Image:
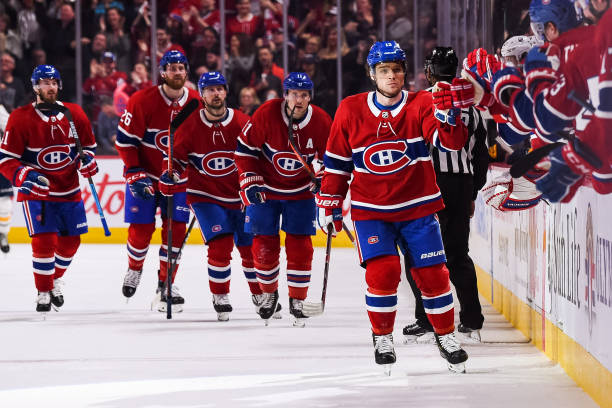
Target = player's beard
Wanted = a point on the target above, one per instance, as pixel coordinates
(48, 97)
(175, 83)
(216, 107)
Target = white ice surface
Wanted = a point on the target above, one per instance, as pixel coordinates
(99, 351)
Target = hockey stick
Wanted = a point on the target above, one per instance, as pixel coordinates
(77, 142)
(314, 309)
(176, 122)
(523, 165)
(313, 177)
(178, 256)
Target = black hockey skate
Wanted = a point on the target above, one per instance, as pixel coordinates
(268, 307)
(296, 309)
(468, 335)
(57, 297)
(131, 282)
(4, 245)
(43, 302)
(161, 297)
(384, 354)
(415, 333)
(222, 306)
(258, 301)
(452, 352)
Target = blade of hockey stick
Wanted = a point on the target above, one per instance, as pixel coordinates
(524, 164)
(312, 176)
(315, 309)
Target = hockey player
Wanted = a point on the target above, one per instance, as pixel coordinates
(142, 136)
(380, 138)
(6, 195)
(459, 175)
(273, 182)
(204, 145)
(6, 209)
(38, 155)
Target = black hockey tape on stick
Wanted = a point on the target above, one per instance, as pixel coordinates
(313, 177)
(526, 163)
(183, 114)
(314, 309)
(77, 141)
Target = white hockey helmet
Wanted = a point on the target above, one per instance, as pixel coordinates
(518, 46)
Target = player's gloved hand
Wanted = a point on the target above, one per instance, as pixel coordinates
(252, 189)
(442, 97)
(171, 183)
(483, 99)
(505, 193)
(560, 183)
(505, 82)
(31, 183)
(540, 68)
(87, 165)
(462, 93)
(330, 212)
(139, 183)
(315, 185)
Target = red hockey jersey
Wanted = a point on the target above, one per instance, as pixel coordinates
(263, 148)
(387, 154)
(142, 133)
(46, 144)
(207, 149)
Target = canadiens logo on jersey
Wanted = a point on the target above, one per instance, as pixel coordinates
(161, 140)
(54, 157)
(218, 164)
(386, 157)
(286, 164)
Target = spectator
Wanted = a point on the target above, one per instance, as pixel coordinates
(276, 45)
(60, 45)
(102, 82)
(116, 40)
(323, 94)
(249, 102)
(12, 91)
(206, 16)
(106, 130)
(244, 21)
(241, 55)
(39, 57)
(267, 75)
(9, 39)
(28, 24)
(93, 50)
(164, 43)
(399, 25)
(178, 30)
(204, 42)
(139, 78)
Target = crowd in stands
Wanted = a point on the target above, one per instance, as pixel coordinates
(117, 57)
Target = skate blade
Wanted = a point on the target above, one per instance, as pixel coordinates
(277, 315)
(472, 338)
(457, 368)
(222, 317)
(155, 302)
(162, 306)
(387, 369)
(427, 338)
(298, 322)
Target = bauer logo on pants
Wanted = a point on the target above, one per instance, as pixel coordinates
(432, 254)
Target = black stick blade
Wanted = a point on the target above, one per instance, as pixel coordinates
(184, 114)
(525, 164)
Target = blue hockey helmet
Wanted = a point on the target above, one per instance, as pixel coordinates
(173, 57)
(298, 80)
(211, 79)
(561, 13)
(385, 51)
(45, 72)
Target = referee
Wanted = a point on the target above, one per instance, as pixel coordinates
(459, 175)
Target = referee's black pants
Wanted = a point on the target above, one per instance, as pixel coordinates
(457, 190)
